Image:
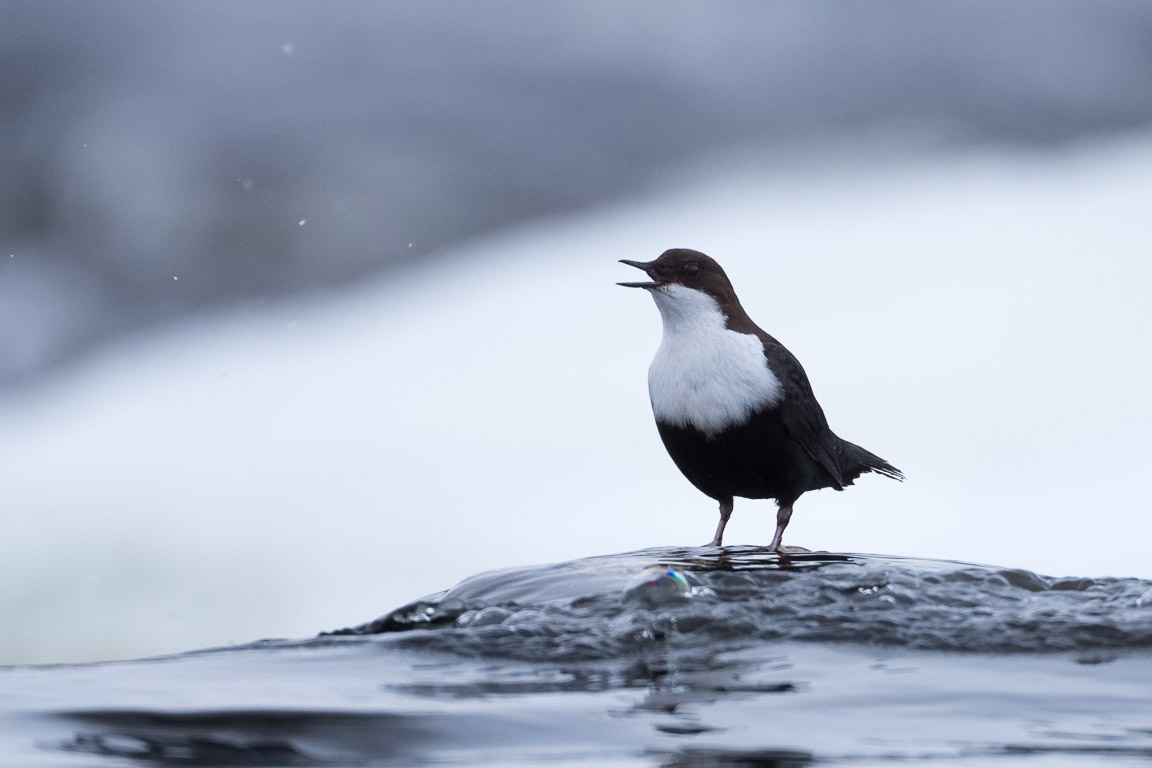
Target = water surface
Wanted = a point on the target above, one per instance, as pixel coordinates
(674, 657)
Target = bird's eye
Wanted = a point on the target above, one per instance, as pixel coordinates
(691, 268)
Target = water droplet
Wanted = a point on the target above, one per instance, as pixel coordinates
(302, 222)
(288, 49)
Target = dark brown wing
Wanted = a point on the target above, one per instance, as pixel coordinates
(802, 415)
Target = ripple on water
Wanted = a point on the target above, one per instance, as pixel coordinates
(714, 599)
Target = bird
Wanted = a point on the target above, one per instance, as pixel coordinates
(733, 406)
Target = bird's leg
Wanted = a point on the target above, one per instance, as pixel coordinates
(725, 513)
(783, 515)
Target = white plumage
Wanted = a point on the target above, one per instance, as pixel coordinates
(705, 375)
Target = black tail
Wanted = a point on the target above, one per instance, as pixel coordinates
(855, 461)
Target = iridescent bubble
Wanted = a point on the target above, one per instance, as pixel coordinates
(659, 585)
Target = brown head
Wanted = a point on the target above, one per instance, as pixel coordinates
(690, 269)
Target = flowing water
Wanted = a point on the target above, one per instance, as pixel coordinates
(676, 657)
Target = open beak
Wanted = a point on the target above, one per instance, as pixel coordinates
(639, 265)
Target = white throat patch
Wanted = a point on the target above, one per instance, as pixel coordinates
(705, 375)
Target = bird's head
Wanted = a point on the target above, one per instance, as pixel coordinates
(678, 269)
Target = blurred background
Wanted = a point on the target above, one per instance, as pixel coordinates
(307, 310)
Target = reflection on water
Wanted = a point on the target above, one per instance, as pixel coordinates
(749, 659)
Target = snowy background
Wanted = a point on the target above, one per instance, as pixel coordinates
(304, 314)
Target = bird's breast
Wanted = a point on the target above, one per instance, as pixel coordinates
(710, 378)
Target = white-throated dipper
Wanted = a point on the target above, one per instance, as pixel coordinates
(733, 406)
